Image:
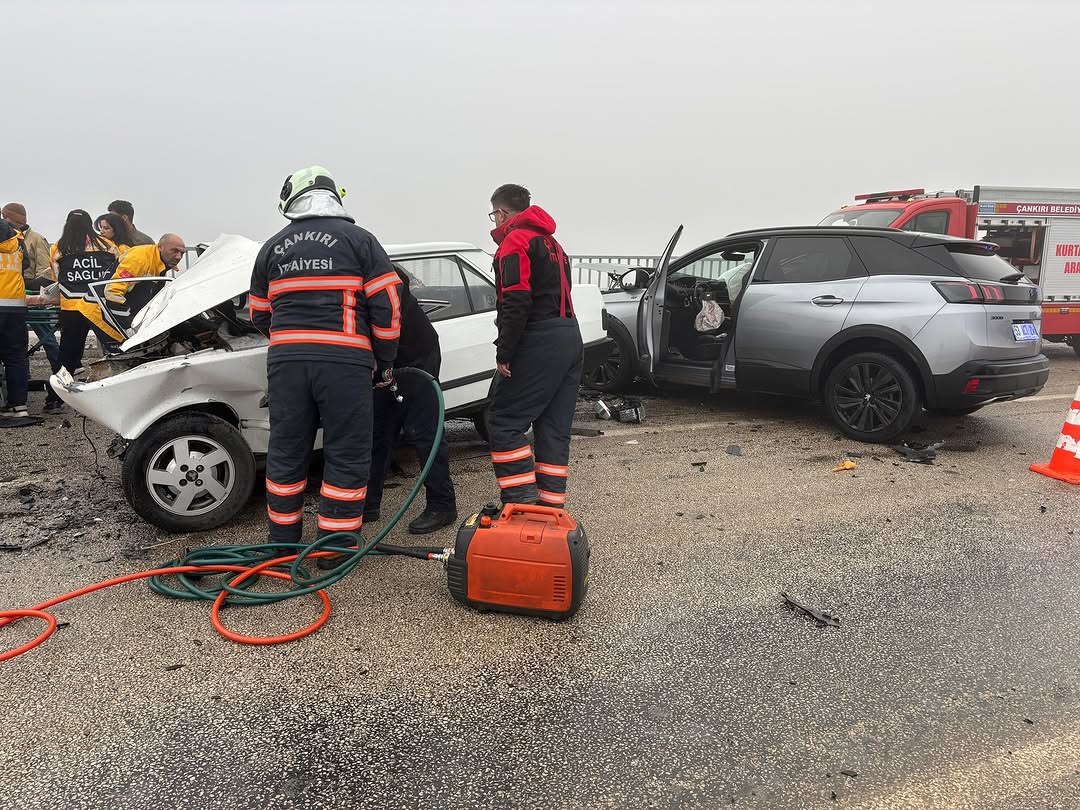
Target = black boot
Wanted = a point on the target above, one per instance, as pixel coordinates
(431, 521)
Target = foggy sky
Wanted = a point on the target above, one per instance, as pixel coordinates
(624, 118)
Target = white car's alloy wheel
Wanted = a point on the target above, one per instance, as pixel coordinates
(190, 475)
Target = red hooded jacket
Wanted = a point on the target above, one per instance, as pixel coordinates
(532, 277)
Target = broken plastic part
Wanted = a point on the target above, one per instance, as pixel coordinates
(846, 464)
(822, 618)
(918, 455)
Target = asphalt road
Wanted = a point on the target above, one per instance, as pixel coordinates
(951, 681)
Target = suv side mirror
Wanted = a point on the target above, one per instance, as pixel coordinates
(635, 279)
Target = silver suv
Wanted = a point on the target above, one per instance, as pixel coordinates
(876, 324)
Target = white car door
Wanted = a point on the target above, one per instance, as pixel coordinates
(460, 302)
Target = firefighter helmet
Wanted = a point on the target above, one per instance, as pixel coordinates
(312, 177)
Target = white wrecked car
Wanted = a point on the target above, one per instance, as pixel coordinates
(187, 393)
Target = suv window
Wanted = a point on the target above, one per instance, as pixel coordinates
(810, 259)
(886, 257)
(972, 261)
(930, 222)
(437, 285)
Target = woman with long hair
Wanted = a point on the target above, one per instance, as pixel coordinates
(80, 258)
(114, 228)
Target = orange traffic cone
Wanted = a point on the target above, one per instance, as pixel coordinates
(1065, 462)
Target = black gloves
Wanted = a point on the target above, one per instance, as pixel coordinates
(384, 374)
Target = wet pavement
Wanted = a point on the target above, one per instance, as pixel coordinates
(951, 680)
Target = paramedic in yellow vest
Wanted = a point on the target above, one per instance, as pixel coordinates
(13, 335)
(126, 298)
(80, 258)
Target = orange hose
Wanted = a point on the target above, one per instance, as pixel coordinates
(245, 572)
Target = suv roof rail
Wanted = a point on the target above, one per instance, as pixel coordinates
(816, 229)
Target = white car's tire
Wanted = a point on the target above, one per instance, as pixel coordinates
(191, 472)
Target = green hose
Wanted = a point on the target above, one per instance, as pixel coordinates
(261, 552)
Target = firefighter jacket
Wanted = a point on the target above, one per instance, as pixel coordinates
(12, 285)
(140, 261)
(324, 289)
(77, 271)
(532, 277)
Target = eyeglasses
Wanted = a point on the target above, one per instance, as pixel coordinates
(492, 214)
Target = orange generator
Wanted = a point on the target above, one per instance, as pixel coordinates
(532, 560)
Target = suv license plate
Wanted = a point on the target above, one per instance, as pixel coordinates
(1025, 331)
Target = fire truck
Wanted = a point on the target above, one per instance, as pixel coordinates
(1037, 230)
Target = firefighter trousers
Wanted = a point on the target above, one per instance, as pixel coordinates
(542, 393)
(417, 413)
(305, 395)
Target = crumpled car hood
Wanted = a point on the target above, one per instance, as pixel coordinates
(222, 272)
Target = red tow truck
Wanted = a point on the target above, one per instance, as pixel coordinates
(1037, 230)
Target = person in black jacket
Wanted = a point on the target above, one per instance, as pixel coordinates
(325, 293)
(416, 413)
(538, 353)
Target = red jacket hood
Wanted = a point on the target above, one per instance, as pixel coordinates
(534, 218)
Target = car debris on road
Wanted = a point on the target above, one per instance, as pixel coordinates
(918, 455)
(821, 618)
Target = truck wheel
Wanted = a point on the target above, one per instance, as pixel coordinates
(1074, 341)
(872, 397)
(191, 472)
(617, 370)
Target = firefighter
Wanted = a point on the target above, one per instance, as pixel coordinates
(13, 334)
(417, 414)
(142, 261)
(538, 353)
(325, 293)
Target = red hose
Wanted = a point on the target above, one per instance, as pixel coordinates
(245, 572)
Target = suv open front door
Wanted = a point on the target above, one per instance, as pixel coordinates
(650, 320)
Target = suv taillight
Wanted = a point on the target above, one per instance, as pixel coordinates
(973, 292)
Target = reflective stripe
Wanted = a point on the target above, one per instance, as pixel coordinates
(385, 334)
(516, 480)
(12, 302)
(395, 311)
(1073, 417)
(285, 490)
(342, 525)
(505, 456)
(1068, 444)
(285, 518)
(379, 284)
(312, 336)
(259, 304)
(314, 284)
(349, 303)
(556, 498)
(552, 469)
(339, 494)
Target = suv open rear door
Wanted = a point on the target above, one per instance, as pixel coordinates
(650, 320)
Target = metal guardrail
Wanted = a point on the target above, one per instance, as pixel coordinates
(596, 269)
(587, 271)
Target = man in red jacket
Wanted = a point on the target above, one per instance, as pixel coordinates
(538, 352)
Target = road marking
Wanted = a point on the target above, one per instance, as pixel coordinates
(1040, 398)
